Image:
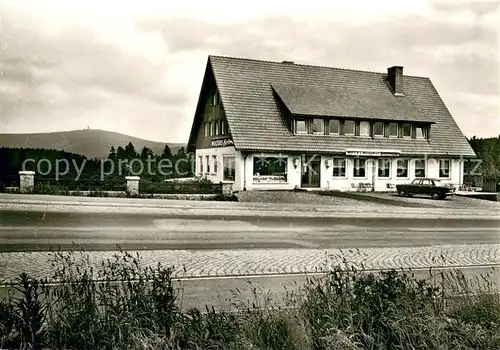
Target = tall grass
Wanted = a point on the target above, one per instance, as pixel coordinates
(123, 304)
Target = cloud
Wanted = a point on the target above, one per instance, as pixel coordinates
(139, 70)
(482, 113)
(74, 73)
(459, 58)
(477, 7)
(423, 45)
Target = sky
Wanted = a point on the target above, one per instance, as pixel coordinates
(136, 67)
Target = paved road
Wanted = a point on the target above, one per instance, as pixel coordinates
(32, 231)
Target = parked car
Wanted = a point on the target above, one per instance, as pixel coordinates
(432, 187)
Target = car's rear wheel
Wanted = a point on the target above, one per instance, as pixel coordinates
(436, 195)
(403, 193)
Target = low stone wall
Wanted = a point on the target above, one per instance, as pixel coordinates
(132, 190)
(194, 197)
(111, 194)
(12, 190)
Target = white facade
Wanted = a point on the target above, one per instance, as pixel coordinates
(210, 162)
(247, 178)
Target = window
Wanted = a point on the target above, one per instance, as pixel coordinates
(209, 127)
(393, 129)
(270, 169)
(222, 127)
(407, 130)
(215, 164)
(228, 164)
(208, 163)
(378, 129)
(402, 168)
(359, 167)
(318, 126)
(334, 126)
(384, 168)
(200, 158)
(420, 168)
(216, 98)
(444, 168)
(216, 127)
(339, 167)
(300, 127)
(420, 132)
(364, 129)
(349, 127)
(206, 130)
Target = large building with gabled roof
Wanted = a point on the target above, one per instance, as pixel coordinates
(282, 125)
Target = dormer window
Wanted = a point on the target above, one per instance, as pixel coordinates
(318, 126)
(364, 128)
(420, 132)
(378, 129)
(393, 130)
(334, 127)
(406, 130)
(349, 127)
(300, 127)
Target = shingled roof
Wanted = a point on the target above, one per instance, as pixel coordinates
(247, 90)
(307, 100)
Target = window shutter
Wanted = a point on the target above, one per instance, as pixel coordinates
(413, 132)
(428, 132)
(356, 128)
(341, 127)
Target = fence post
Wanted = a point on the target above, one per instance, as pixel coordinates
(132, 185)
(227, 189)
(26, 181)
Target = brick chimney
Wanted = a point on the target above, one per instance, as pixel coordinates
(395, 80)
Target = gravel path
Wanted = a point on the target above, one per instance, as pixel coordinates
(303, 197)
(454, 202)
(360, 199)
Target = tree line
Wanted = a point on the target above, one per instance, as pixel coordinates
(488, 150)
(75, 170)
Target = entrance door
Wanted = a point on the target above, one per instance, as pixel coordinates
(311, 171)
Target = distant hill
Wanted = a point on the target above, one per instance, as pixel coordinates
(90, 143)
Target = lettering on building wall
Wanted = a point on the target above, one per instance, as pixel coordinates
(222, 143)
(372, 153)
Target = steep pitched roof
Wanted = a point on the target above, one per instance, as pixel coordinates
(247, 89)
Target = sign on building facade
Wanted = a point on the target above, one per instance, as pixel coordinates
(222, 142)
(372, 153)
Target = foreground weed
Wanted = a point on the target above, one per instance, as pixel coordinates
(122, 303)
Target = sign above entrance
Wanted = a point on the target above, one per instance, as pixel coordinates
(372, 152)
(222, 143)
